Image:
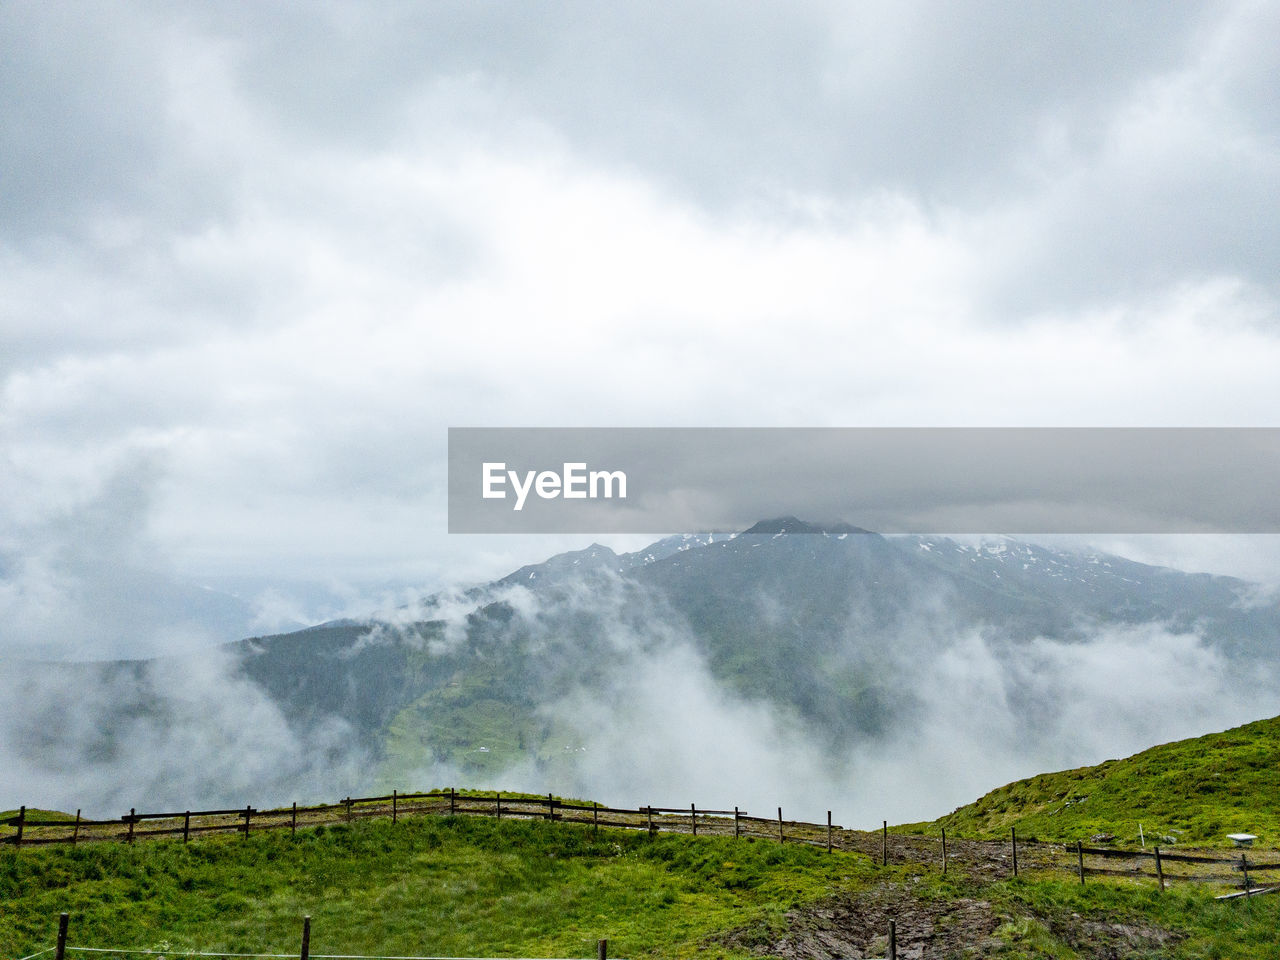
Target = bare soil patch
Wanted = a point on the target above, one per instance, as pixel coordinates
(857, 927)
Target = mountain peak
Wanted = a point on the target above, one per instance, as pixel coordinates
(790, 524)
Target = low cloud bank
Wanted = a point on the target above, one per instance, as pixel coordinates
(86, 581)
(164, 734)
(656, 725)
(664, 730)
(650, 719)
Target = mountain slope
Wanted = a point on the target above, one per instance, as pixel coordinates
(829, 628)
(1189, 791)
(811, 665)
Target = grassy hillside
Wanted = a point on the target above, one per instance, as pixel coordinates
(470, 886)
(439, 886)
(1195, 791)
(40, 816)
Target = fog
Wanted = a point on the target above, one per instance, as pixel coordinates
(658, 727)
(160, 735)
(665, 731)
(651, 722)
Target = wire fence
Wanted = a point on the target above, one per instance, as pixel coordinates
(61, 948)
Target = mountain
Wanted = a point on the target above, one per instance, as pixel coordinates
(828, 627)
(816, 666)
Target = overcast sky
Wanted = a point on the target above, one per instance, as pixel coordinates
(256, 258)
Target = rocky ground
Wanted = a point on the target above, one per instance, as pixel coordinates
(856, 927)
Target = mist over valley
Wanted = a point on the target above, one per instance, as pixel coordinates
(808, 666)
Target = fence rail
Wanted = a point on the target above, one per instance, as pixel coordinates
(1159, 865)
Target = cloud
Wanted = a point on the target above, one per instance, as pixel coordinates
(84, 141)
(255, 259)
(288, 250)
(646, 719)
(85, 581)
(718, 102)
(995, 711)
(169, 734)
(663, 730)
(317, 447)
(626, 683)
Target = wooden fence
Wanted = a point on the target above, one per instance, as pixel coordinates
(1159, 865)
(245, 820)
(1166, 867)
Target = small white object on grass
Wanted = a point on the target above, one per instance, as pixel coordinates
(1242, 839)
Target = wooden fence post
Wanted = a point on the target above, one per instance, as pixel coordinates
(132, 811)
(828, 831)
(693, 818)
(1244, 865)
(944, 851)
(735, 823)
(75, 834)
(22, 820)
(393, 806)
(595, 819)
(602, 950)
(780, 825)
(348, 803)
(186, 827)
(248, 811)
(1080, 857)
(1159, 869)
(60, 951)
(884, 844)
(306, 938)
(893, 940)
(293, 820)
(1013, 833)
(551, 808)
(649, 813)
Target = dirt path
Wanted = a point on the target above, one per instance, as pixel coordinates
(981, 859)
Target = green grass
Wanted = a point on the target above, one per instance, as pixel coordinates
(1204, 927)
(461, 724)
(471, 886)
(435, 885)
(1046, 916)
(1194, 791)
(41, 816)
